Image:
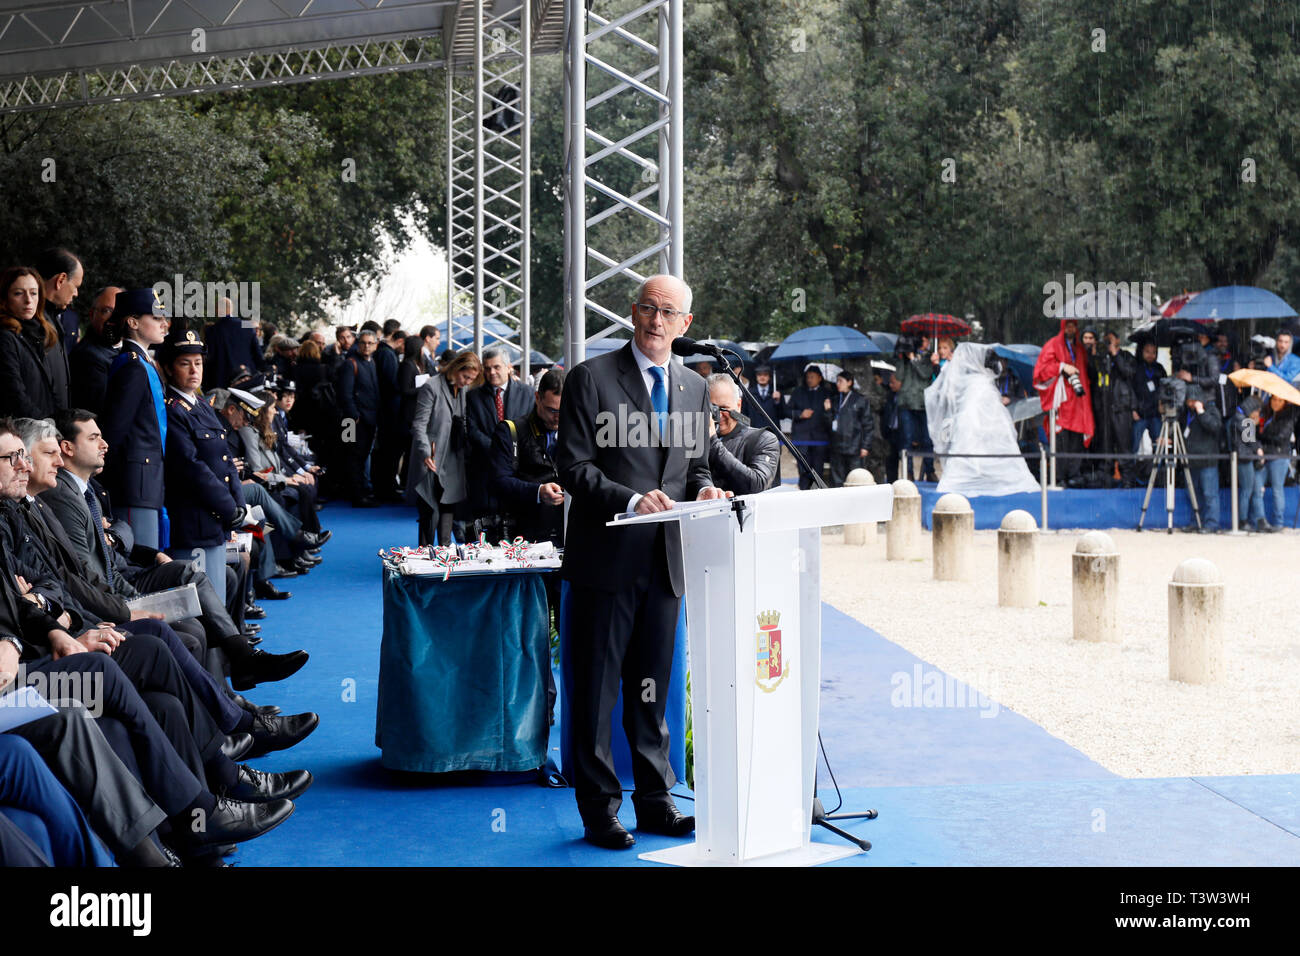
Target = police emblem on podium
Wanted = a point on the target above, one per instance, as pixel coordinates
(772, 670)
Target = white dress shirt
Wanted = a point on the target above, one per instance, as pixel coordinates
(645, 364)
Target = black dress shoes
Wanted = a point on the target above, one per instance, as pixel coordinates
(259, 667)
(267, 591)
(237, 746)
(243, 703)
(254, 786)
(312, 539)
(608, 834)
(280, 733)
(253, 612)
(283, 571)
(253, 640)
(664, 819)
(234, 821)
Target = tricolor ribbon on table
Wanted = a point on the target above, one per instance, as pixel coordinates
(514, 550)
(445, 559)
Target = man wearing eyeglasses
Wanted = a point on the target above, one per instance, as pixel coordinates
(93, 355)
(626, 584)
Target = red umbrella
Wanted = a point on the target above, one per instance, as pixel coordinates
(1170, 308)
(933, 324)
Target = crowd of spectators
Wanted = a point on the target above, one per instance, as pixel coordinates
(123, 483)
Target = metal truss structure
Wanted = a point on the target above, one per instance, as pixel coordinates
(489, 120)
(623, 115)
(58, 53)
(623, 157)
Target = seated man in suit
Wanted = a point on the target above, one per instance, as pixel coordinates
(523, 474)
(632, 439)
(71, 499)
(500, 398)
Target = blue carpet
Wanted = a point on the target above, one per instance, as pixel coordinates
(953, 787)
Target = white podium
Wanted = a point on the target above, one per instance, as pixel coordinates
(753, 617)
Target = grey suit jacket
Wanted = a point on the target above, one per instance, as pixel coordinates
(74, 515)
(435, 407)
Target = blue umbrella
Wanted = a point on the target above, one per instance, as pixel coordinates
(886, 340)
(824, 342)
(1021, 359)
(1236, 302)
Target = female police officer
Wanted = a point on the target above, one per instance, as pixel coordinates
(204, 496)
(134, 422)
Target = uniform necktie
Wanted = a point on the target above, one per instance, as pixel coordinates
(659, 398)
(501, 406)
(97, 518)
(550, 442)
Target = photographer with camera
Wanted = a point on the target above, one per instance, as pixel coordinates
(1277, 421)
(852, 429)
(1145, 381)
(1063, 382)
(1243, 434)
(742, 459)
(916, 370)
(1202, 425)
(1191, 363)
(1113, 405)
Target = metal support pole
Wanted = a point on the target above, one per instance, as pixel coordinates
(1042, 483)
(1051, 437)
(525, 193)
(1236, 516)
(676, 142)
(451, 243)
(478, 176)
(575, 204)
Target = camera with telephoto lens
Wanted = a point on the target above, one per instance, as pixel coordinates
(906, 345)
(1171, 396)
(1258, 352)
(1075, 382)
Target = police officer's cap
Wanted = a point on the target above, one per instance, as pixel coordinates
(136, 302)
(180, 342)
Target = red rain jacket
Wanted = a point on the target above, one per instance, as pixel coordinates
(1075, 412)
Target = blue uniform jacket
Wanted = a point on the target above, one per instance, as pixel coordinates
(133, 467)
(203, 489)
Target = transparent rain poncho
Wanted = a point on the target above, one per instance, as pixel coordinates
(966, 416)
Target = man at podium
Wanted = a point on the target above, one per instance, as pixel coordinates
(633, 439)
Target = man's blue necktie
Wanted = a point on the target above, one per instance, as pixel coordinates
(659, 399)
(97, 517)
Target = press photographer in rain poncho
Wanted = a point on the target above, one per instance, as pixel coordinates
(966, 416)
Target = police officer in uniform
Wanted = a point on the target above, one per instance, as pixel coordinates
(134, 420)
(204, 496)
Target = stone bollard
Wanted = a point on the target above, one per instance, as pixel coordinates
(903, 534)
(1096, 588)
(953, 538)
(1196, 623)
(1018, 560)
(863, 533)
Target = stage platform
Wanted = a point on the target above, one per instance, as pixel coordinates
(964, 783)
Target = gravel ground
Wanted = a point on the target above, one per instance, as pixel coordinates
(1114, 702)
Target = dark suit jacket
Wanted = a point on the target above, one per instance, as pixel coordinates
(230, 346)
(88, 365)
(481, 423)
(73, 514)
(602, 468)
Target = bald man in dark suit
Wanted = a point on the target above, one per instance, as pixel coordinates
(633, 438)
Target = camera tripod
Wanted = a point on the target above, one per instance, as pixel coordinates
(1171, 451)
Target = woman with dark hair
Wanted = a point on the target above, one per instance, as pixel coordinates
(134, 422)
(26, 386)
(296, 493)
(435, 481)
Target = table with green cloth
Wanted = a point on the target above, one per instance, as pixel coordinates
(462, 672)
